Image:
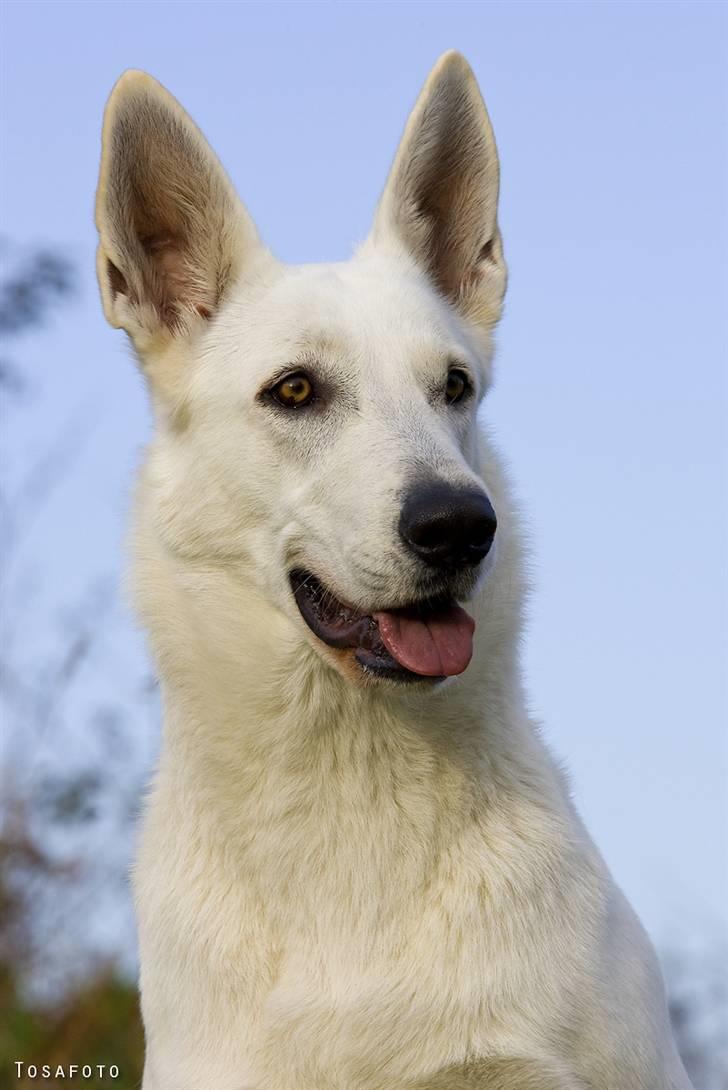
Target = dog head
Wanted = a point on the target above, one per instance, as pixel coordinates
(316, 425)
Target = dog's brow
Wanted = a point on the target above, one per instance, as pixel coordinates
(322, 345)
(315, 351)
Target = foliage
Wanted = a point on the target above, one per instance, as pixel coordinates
(97, 1025)
(697, 978)
(26, 296)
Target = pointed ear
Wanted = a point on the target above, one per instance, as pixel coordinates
(441, 198)
(173, 234)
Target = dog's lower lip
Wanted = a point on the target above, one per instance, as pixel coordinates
(341, 626)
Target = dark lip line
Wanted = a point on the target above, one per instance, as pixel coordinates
(362, 633)
(395, 672)
(422, 607)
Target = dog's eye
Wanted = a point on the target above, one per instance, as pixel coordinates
(293, 391)
(457, 385)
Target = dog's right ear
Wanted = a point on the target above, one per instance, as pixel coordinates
(173, 234)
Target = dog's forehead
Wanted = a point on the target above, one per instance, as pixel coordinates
(371, 308)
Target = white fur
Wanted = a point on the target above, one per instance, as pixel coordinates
(344, 885)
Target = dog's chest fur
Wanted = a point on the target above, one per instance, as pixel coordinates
(354, 896)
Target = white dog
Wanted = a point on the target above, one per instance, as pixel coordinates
(360, 868)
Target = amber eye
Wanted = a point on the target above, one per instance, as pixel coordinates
(293, 391)
(456, 387)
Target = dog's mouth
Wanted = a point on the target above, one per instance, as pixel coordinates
(429, 639)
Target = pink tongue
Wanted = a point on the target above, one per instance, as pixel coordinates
(439, 646)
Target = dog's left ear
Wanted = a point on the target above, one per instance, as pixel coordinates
(441, 198)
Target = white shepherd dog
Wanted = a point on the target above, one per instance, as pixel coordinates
(360, 868)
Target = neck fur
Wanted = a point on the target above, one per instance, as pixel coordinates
(275, 761)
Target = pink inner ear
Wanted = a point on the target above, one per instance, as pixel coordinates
(169, 257)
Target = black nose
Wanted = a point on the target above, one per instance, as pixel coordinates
(446, 526)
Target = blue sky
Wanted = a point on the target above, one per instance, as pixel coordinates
(610, 399)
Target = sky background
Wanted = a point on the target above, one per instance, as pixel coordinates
(610, 401)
